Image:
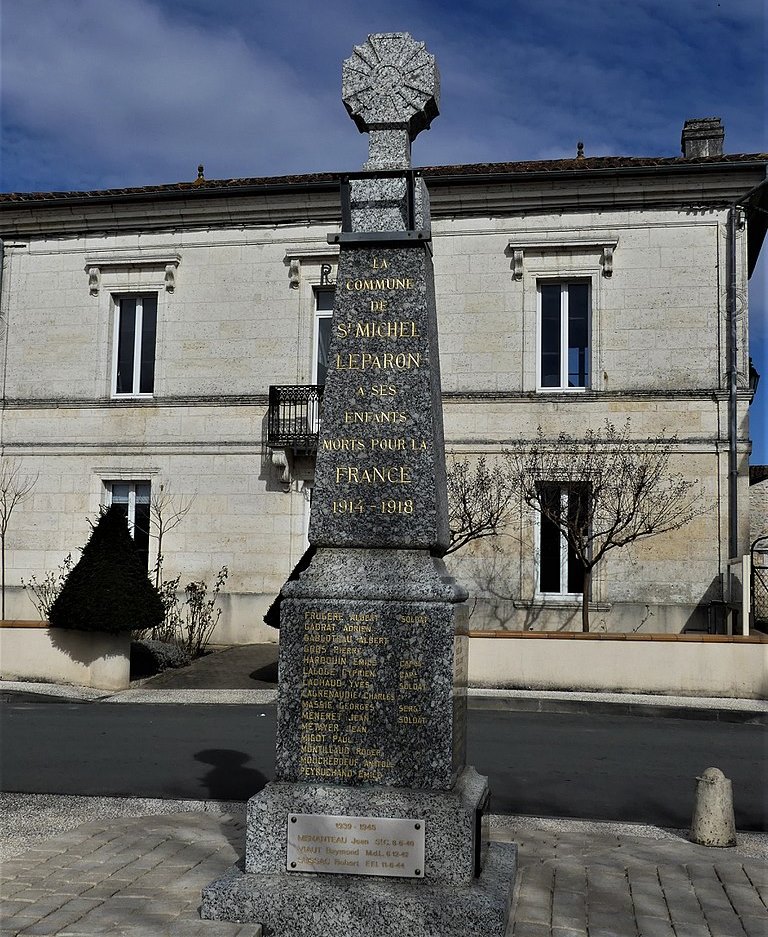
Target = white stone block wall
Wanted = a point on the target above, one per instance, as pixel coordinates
(234, 324)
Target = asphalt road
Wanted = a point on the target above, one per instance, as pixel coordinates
(589, 765)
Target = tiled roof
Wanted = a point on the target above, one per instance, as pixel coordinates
(211, 186)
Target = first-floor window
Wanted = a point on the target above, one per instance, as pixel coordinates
(560, 570)
(323, 318)
(134, 356)
(564, 335)
(133, 498)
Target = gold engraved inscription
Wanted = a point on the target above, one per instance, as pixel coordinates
(343, 445)
(370, 284)
(387, 328)
(388, 361)
(368, 416)
(376, 475)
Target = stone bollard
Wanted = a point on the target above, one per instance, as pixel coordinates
(713, 821)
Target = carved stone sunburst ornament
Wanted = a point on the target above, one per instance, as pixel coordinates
(391, 82)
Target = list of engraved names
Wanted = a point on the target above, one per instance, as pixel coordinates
(347, 700)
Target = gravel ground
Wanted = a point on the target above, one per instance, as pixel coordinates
(27, 820)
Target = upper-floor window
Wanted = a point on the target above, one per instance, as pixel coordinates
(323, 316)
(134, 345)
(134, 499)
(560, 571)
(564, 335)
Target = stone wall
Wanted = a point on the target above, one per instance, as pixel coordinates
(758, 527)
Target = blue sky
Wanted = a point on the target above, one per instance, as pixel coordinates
(104, 93)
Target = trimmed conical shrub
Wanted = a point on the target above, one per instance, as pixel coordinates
(108, 590)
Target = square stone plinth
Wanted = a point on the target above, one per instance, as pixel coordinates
(305, 904)
(453, 820)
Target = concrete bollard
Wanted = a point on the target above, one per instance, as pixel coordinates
(713, 821)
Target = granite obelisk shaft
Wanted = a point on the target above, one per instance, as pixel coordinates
(373, 645)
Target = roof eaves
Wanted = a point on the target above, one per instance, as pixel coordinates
(462, 174)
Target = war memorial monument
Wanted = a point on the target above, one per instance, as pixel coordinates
(374, 824)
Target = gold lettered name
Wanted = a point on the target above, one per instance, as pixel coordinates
(387, 361)
(390, 328)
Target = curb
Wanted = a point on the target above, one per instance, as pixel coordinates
(617, 708)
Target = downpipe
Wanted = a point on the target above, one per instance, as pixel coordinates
(733, 376)
(3, 342)
(735, 211)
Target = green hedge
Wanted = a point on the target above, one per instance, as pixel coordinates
(108, 590)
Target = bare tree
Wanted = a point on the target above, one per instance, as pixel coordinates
(621, 491)
(478, 501)
(14, 488)
(166, 511)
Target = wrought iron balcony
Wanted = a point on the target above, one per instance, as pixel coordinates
(293, 421)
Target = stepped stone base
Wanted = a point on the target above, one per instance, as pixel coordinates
(303, 904)
(455, 845)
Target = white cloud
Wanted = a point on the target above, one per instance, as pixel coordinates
(123, 85)
(127, 92)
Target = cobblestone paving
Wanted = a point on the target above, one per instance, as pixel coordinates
(143, 877)
(587, 884)
(127, 878)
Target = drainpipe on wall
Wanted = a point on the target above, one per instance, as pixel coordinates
(3, 340)
(733, 374)
(734, 215)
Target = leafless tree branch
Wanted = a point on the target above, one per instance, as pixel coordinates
(14, 489)
(626, 488)
(478, 501)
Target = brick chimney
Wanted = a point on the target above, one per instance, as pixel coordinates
(702, 136)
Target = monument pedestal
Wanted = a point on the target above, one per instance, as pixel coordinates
(371, 728)
(306, 904)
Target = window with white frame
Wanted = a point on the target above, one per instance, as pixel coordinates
(323, 315)
(134, 344)
(564, 325)
(133, 498)
(560, 572)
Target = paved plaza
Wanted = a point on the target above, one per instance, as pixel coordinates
(141, 876)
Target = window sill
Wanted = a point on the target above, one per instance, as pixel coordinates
(562, 390)
(552, 600)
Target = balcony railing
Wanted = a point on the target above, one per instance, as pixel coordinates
(293, 421)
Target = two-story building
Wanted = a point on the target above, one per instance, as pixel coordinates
(176, 336)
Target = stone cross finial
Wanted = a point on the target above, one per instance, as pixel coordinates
(391, 88)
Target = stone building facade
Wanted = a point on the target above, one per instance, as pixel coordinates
(143, 329)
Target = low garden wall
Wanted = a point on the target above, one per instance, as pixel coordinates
(30, 650)
(672, 664)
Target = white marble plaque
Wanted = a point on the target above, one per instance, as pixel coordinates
(355, 845)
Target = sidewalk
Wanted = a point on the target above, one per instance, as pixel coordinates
(131, 875)
(248, 674)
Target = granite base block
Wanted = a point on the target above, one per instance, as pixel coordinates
(303, 904)
(454, 843)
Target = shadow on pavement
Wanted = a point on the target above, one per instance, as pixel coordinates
(229, 778)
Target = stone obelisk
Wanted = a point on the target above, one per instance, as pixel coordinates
(374, 823)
